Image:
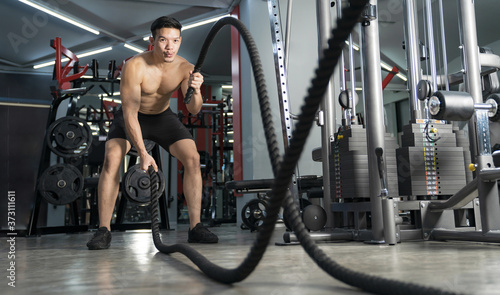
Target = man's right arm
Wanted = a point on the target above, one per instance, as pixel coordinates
(130, 93)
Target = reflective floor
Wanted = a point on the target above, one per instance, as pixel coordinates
(61, 264)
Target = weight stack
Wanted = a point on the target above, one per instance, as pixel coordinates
(351, 173)
(430, 163)
(463, 141)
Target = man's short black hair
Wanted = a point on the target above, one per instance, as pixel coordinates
(165, 22)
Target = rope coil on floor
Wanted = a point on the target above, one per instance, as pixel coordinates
(283, 171)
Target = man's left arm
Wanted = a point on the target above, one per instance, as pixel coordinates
(195, 81)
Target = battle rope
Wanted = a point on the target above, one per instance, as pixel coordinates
(283, 173)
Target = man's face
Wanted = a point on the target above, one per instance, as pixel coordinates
(167, 43)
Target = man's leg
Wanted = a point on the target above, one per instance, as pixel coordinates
(109, 182)
(185, 151)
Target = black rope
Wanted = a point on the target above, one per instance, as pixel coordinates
(283, 172)
(239, 273)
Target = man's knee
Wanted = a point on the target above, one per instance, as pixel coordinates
(192, 161)
(113, 157)
(111, 163)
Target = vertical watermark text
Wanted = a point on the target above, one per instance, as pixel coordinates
(11, 238)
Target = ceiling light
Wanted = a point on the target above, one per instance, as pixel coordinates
(389, 68)
(385, 66)
(60, 16)
(196, 24)
(227, 86)
(118, 101)
(136, 49)
(204, 22)
(354, 46)
(78, 55)
(402, 77)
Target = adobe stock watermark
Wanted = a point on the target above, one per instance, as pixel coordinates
(386, 14)
(31, 26)
(11, 238)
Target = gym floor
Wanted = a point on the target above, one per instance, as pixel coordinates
(61, 264)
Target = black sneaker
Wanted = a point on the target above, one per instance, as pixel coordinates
(201, 234)
(100, 240)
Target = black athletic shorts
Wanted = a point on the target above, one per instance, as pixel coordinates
(164, 128)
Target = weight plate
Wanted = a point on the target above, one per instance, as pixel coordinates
(61, 184)
(136, 184)
(494, 100)
(253, 214)
(149, 147)
(69, 137)
(344, 99)
(314, 217)
(424, 89)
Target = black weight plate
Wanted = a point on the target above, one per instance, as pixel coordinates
(149, 144)
(314, 217)
(60, 184)
(495, 99)
(69, 137)
(253, 214)
(136, 184)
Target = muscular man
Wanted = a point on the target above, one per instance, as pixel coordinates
(148, 81)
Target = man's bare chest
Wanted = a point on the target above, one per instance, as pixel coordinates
(160, 84)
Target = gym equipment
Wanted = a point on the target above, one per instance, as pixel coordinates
(253, 214)
(283, 170)
(149, 144)
(303, 203)
(348, 97)
(314, 217)
(61, 184)
(137, 186)
(69, 137)
(460, 106)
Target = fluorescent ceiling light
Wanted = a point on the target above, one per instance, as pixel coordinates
(227, 86)
(402, 77)
(204, 22)
(136, 49)
(118, 101)
(354, 46)
(389, 68)
(385, 66)
(196, 24)
(78, 55)
(60, 16)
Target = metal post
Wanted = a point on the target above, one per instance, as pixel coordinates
(282, 82)
(288, 32)
(346, 113)
(443, 46)
(328, 110)
(432, 48)
(478, 124)
(352, 72)
(374, 114)
(470, 64)
(412, 58)
(281, 71)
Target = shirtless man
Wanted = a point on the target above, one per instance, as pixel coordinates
(148, 81)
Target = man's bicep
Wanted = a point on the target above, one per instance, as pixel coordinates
(130, 88)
